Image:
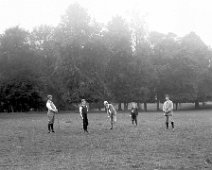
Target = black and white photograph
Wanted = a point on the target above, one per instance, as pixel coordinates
(105, 85)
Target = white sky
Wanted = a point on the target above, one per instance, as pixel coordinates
(178, 16)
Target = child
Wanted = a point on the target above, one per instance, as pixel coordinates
(83, 110)
(168, 111)
(51, 113)
(134, 113)
(111, 111)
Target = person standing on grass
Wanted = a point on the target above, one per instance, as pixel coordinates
(134, 114)
(168, 111)
(51, 113)
(83, 110)
(112, 114)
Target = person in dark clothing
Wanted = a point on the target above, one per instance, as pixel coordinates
(134, 114)
(83, 110)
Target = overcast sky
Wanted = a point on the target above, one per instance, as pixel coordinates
(177, 16)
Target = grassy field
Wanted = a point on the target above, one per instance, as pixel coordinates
(26, 145)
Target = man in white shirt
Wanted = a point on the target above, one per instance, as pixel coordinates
(51, 113)
(168, 111)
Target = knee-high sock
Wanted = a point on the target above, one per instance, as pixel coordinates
(52, 127)
(49, 126)
(167, 125)
(85, 124)
(172, 124)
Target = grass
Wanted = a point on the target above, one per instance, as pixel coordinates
(26, 145)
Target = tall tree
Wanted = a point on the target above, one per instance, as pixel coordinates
(83, 53)
(19, 71)
(118, 39)
(193, 48)
(143, 77)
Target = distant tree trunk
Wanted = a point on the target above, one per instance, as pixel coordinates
(8, 109)
(119, 107)
(99, 107)
(158, 105)
(139, 106)
(125, 106)
(11, 108)
(196, 104)
(145, 106)
(176, 106)
(22, 108)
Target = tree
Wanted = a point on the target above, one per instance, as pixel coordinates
(165, 48)
(193, 48)
(142, 76)
(47, 50)
(19, 71)
(118, 39)
(83, 56)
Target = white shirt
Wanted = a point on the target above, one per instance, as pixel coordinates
(80, 110)
(50, 106)
(168, 106)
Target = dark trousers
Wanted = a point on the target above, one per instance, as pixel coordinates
(85, 124)
(51, 127)
(168, 120)
(134, 119)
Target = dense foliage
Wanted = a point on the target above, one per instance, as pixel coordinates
(119, 62)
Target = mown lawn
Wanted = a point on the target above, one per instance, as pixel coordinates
(25, 143)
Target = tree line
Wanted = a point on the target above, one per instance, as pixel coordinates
(119, 61)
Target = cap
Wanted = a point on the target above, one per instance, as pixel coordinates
(105, 102)
(49, 96)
